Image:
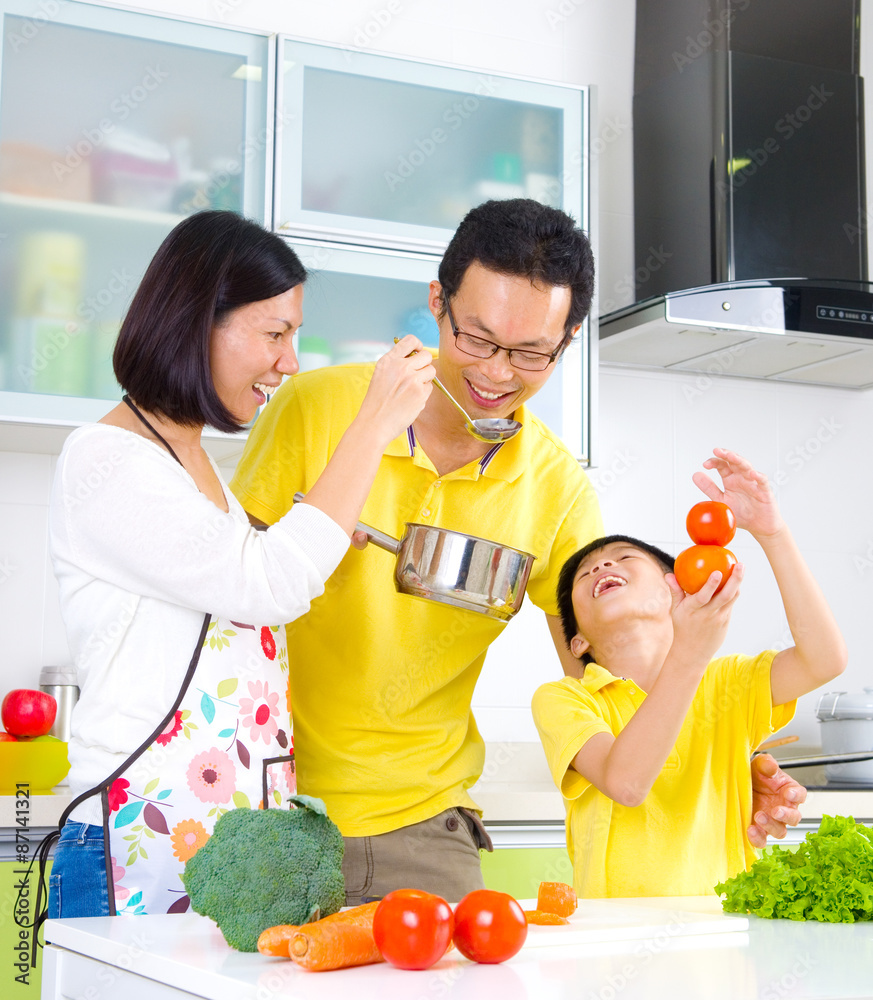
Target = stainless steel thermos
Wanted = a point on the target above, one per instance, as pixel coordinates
(60, 683)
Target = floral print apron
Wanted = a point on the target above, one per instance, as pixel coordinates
(225, 743)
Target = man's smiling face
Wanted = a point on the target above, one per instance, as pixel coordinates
(506, 310)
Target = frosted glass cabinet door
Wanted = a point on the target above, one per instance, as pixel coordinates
(357, 300)
(393, 152)
(114, 126)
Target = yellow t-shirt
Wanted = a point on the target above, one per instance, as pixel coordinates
(689, 833)
(381, 683)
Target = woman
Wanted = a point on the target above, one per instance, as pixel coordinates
(182, 713)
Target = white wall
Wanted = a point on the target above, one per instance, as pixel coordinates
(655, 430)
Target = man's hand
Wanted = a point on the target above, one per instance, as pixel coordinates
(775, 797)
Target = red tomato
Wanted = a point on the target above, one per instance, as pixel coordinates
(711, 522)
(694, 566)
(28, 713)
(489, 926)
(412, 928)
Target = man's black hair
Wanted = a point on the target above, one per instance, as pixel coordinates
(523, 238)
(568, 573)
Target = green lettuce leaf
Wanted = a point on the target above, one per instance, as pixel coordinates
(829, 877)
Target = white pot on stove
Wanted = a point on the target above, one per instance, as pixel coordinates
(847, 727)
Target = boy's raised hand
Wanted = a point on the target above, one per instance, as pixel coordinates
(745, 491)
(700, 621)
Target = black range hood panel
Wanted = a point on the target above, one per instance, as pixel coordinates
(749, 169)
(791, 330)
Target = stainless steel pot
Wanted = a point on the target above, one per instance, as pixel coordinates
(457, 569)
(847, 732)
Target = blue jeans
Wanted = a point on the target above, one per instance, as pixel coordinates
(77, 884)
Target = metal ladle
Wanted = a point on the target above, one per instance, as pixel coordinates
(488, 429)
(491, 430)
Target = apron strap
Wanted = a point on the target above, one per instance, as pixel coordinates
(44, 849)
(265, 764)
(48, 842)
(126, 399)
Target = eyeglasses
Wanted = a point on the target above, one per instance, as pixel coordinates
(476, 347)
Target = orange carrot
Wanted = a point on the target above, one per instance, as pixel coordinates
(544, 917)
(274, 940)
(324, 945)
(556, 897)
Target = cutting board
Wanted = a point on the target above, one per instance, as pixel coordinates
(613, 920)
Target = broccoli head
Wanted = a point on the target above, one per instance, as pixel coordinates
(263, 867)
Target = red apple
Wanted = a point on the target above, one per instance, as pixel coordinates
(8, 738)
(28, 713)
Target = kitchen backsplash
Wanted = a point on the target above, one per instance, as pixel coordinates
(655, 430)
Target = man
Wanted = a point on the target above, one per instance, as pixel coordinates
(381, 684)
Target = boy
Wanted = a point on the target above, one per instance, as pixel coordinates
(651, 747)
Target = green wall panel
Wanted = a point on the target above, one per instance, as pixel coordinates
(26, 986)
(519, 871)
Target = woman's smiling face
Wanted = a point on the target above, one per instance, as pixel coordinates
(251, 350)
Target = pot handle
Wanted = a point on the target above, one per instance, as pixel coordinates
(386, 542)
(825, 710)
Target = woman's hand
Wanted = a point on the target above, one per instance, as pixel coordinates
(399, 388)
(745, 491)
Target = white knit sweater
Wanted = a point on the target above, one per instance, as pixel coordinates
(140, 555)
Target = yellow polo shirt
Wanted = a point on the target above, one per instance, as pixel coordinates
(382, 683)
(690, 832)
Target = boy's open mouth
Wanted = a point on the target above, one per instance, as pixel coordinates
(607, 582)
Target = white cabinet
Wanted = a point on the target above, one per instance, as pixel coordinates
(391, 152)
(377, 161)
(114, 125)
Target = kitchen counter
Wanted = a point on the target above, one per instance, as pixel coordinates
(43, 809)
(24, 822)
(515, 790)
(516, 787)
(646, 948)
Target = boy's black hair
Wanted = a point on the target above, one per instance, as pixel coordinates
(568, 573)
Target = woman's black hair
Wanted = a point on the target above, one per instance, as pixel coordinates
(524, 238)
(568, 574)
(211, 263)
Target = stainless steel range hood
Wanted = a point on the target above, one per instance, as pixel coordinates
(748, 169)
(788, 330)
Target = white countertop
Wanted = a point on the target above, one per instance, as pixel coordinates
(656, 949)
(41, 810)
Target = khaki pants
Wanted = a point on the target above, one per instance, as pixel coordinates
(439, 855)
